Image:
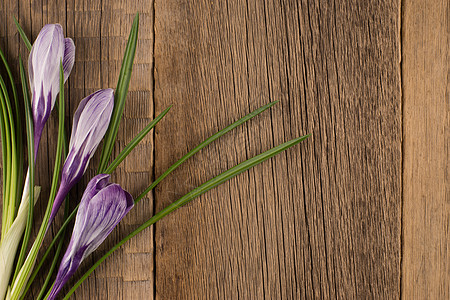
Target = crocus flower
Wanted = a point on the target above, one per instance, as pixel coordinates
(90, 122)
(102, 207)
(49, 49)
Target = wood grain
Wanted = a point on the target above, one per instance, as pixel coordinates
(425, 268)
(100, 30)
(322, 220)
(319, 221)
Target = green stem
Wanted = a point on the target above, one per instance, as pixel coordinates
(55, 257)
(60, 233)
(9, 152)
(17, 122)
(30, 142)
(13, 159)
(5, 158)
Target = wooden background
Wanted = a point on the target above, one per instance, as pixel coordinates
(359, 210)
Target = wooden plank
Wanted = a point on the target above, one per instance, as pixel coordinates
(426, 210)
(319, 221)
(100, 31)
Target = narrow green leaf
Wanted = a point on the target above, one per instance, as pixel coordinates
(55, 257)
(165, 174)
(210, 184)
(23, 35)
(203, 145)
(5, 158)
(120, 95)
(27, 267)
(4, 99)
(135, 141)
(18, 162)
(30, 143)
(58, 236)
(13, 159)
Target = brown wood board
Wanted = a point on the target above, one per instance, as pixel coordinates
(426, 209)
(322, 220)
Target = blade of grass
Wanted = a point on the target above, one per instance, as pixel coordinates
(30, 143)
(27, 267)
(124, 153)
(58, 236)
(9, 154)
(210, 184)
(5, 159)
(13, 158)
(23, 35)
(204, 144)
(11, 214)
(165, 174)
(120, 95)
(61, 240)
(18, 125)
(55, 257)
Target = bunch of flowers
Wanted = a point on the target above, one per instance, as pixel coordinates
(103, 204)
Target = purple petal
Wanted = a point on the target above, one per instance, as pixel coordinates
(93, 112)
(45, 57)
(49, 49)
(102, 207)
(90, 122)
(94, 186)
(69, 57)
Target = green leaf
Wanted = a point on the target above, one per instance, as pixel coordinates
(5, 165)
(10, 156)
(210, 184)
(59, 236)
(30, 143)
(120, 95)
(55, 257)
(203, 145)
(135, 141)
(18, 162)
(23, 35)
(160, 178)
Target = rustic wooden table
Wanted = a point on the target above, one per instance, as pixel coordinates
(360, 210)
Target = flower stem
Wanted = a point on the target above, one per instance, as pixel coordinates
(30, 174)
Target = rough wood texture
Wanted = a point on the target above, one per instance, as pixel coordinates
(322, 220)
(100, 31)
(319, 221)
(426, 210)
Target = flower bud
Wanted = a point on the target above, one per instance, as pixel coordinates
(102, 207)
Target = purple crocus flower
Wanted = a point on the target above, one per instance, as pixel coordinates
(49, 49)
(90, 122)
(102, 207)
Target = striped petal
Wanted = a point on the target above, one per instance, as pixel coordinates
(102, 207)
(90, 122)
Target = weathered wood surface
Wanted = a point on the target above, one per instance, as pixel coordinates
(426, 206)
(322, 220)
